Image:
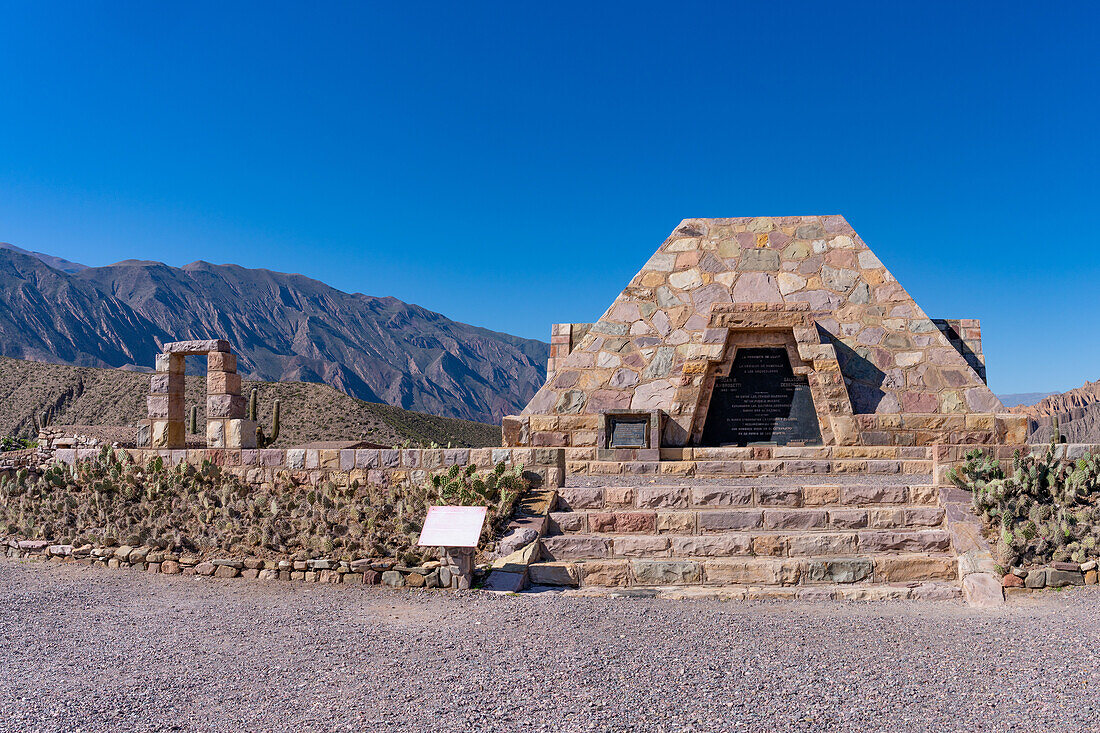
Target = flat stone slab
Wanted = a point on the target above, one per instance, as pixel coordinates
(578, 481)
(907, 591)
(195, 347)
(505, 582)
(983, 590)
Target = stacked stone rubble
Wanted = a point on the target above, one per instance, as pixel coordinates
(369, 571)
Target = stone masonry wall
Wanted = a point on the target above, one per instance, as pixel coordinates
(371, 571)
(965, 334)
(564, 337)
(895, 361)
(382, 467)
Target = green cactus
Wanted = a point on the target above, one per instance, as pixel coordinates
(253, 404)
(42, 420)
(1047, 509)
(193, 420)
(201, 509)
(275, 422)
(263, 440)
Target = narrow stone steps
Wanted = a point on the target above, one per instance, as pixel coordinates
(575, 498)
(700, 521)
(809, 538)
(758, 571)
(924, 591)
(763, 544)
(599, 546)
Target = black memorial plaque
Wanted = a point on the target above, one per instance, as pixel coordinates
(628, 433)
(761, 401)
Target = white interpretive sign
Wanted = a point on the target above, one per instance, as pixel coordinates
(452, 526)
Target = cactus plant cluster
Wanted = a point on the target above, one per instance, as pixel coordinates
(263, 440)
(1047, 509)
(41, 422)
(112, 500)
(499, 490)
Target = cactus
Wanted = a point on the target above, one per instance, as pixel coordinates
(263, 440)
(499, 490)
(1055, 429)
(42, 422)
(1047, 509)
(977, 467)
(253, 404)
(193, 420)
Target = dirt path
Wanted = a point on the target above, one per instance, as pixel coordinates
(114, 650)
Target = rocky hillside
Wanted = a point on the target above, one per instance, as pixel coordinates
(310, 412)
(57, 263)
(283, 328)
(1078, 412)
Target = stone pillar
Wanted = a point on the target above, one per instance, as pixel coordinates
(226, 426)
(459, 562)
(166, 403)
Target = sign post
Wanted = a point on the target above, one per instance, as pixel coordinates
(455, 529)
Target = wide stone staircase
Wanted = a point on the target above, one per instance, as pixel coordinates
(862, 538)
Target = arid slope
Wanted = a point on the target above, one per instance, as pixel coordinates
(1078, 412)
(310, 412)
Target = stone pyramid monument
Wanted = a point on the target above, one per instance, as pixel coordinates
(767, 330)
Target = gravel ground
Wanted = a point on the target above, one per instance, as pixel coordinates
(839, 479)
(116, 650)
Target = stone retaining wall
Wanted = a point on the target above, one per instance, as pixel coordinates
(914, 429)
(383, 467)
(432, 574)
(1057, 575)
(13, 460)
(947, 457)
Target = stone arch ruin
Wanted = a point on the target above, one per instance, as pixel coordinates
(226, 426)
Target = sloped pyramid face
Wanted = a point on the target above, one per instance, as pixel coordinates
(646, 348)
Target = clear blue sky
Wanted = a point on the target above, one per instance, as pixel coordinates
(514, 166)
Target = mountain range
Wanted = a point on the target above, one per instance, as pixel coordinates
(1078, 413)
(283, 327)
(1023, 399)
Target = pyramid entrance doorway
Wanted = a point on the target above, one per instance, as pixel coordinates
(772, 382)
(761, 401)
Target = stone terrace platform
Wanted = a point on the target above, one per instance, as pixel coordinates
(847, 537)
(752, 461)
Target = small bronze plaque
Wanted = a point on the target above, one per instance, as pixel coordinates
(629, 433)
